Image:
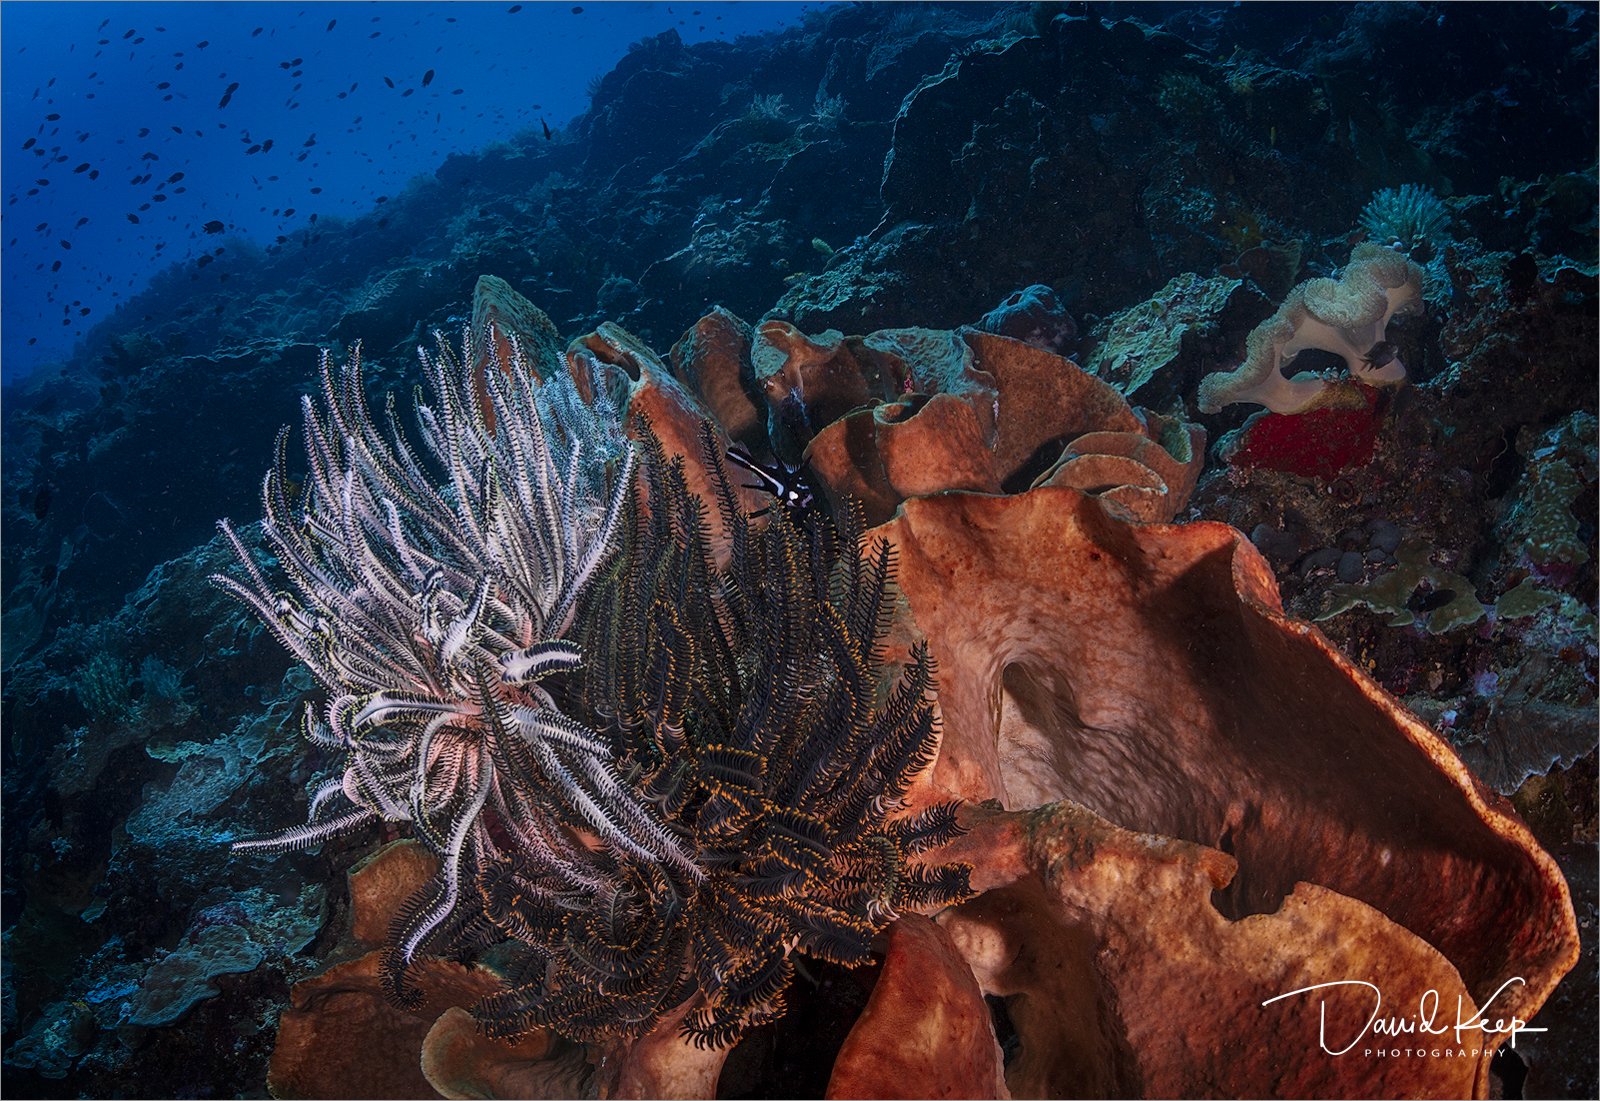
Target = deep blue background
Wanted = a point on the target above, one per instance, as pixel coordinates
(311, 80)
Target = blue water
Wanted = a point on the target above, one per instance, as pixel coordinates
(122, 143)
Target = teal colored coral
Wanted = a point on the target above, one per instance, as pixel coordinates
(1410, 218)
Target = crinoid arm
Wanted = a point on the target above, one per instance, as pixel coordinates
(648, 777)
(429, 590)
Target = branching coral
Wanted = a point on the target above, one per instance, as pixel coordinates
(657, 778)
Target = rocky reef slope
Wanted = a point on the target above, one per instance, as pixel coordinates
(1137, 195)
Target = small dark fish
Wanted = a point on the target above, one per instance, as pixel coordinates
(134, 218)
(577, 10)
(389, 82)
(257, 31)
(546, 126)
(1381, 354)
(213, 227)
(427, 78)
(513, 9)
(331, 22)
(29, 144)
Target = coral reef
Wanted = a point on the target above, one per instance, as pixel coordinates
(1033, 315)
(1170, 177)
(1409, 219)
(722, 797)
(1559, 469)
(1072, 751)
(1153, 351)
(1347, 317)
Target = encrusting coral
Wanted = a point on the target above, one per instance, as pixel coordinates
(1175, 802)
(1347, 317)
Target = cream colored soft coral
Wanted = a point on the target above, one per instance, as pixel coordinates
(1348, 316)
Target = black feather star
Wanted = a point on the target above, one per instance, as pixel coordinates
(742, 707)
(650, 779)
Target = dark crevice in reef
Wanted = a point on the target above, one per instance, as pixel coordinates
(793, 1056)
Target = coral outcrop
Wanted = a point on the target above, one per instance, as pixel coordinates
(1347, 317)
(656, 792)
(1189, 852)
(903, 412)
(1170, 178)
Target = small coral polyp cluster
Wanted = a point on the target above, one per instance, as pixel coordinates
(654, 777)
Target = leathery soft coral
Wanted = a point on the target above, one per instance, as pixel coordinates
(1348, 317)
